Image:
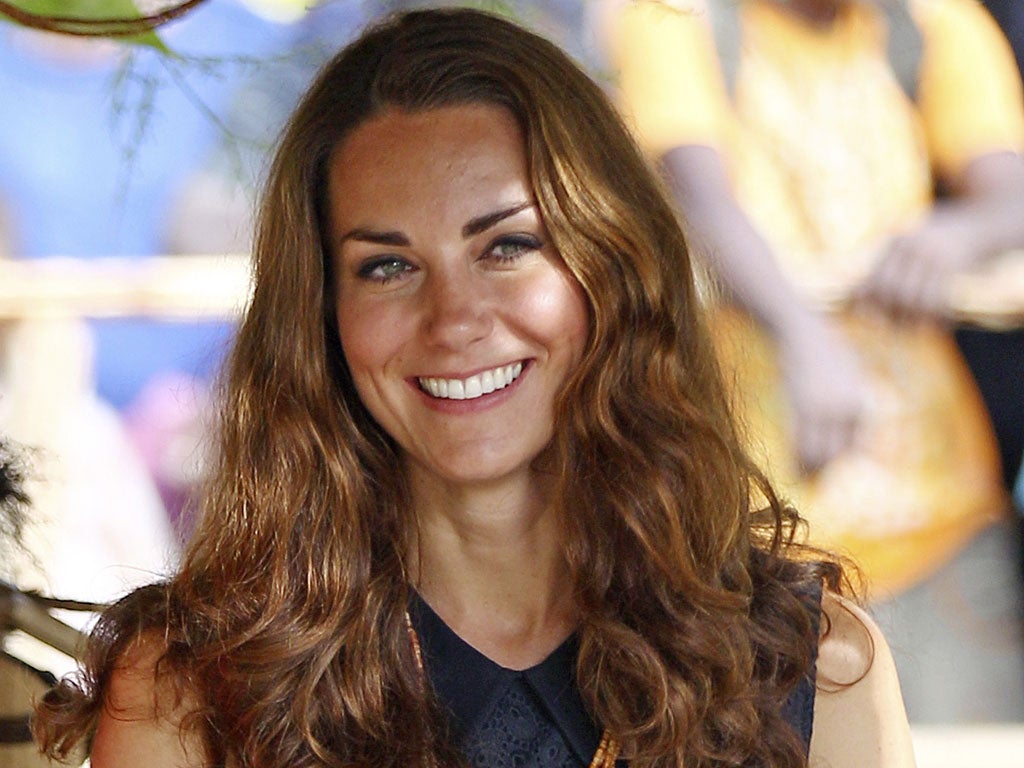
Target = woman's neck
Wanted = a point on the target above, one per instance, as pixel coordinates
(489, 562)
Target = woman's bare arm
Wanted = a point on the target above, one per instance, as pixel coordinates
(140, 723)
(859, 719)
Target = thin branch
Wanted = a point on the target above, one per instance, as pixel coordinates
(194, 98)
(85, 27)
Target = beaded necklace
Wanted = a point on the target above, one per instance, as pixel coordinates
(607, 751)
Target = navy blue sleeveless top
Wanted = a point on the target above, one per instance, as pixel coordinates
(534, 718)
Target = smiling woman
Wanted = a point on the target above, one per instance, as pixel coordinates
(479, 498)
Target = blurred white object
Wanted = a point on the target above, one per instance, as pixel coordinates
(998, 745)
(97, 525)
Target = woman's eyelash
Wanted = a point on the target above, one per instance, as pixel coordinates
(505, 249)
(383, 269)
(511, 247)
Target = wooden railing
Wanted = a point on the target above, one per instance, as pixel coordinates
(172, 287)
(184, 287)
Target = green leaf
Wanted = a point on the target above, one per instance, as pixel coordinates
(92, 9)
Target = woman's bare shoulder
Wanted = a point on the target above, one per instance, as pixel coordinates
(859, 719)
(143, 710)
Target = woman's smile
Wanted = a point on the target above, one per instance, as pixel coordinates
(472, 387)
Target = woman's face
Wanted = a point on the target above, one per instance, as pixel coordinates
(457, 318)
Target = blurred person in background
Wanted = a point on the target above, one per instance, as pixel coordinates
(96, 141)
(804, 140)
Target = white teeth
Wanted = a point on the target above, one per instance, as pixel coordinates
(473, 387)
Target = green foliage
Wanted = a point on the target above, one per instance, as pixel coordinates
(506, 8)
(58, 10)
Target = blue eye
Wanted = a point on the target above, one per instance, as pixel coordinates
(509, 248)
(383, 269)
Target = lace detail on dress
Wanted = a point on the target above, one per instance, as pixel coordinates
(516, 733)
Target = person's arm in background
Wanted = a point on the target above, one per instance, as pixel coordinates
(983, 217)
(673, 90)
(970, 98)
(821, 372)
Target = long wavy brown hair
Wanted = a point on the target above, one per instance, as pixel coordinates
(286, 622)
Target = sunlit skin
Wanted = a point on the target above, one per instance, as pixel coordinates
(445, 272)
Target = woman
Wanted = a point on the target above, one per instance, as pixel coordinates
(479, 499)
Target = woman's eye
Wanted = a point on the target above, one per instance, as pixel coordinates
(383, 269)
(509, 248)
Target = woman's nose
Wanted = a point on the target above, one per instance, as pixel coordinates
(457, 313)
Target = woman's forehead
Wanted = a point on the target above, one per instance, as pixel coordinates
(435, 160)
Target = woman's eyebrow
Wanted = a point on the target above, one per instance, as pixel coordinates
(396, 238)
(393, 237)
(482, 223)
